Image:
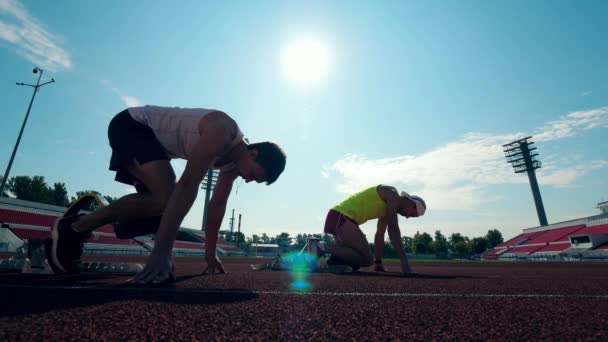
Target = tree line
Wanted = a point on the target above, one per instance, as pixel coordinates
(35, 189)
(420, 243)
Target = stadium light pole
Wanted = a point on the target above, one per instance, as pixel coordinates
(36, 87)
(208, 185)
(239, 232)
(520, 154)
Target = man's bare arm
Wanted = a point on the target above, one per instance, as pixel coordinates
(217, 209)
(186, 189)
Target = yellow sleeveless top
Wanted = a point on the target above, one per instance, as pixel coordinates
(363, 206)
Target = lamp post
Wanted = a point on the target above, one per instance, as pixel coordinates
(208, 185)
(36, 87)
(520, 154)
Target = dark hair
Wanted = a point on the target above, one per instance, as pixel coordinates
(271, 157)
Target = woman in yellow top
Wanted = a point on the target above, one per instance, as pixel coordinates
(378, 202)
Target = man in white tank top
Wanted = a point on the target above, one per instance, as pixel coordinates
(143, 141)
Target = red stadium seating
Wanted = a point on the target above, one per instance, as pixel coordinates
(600, 229)
(24, 233)
(188, 245)
(229, 248)
(108, 228)
(492, 254)
(27, 218)
(555, 247)
(33, 223)
(525, 249)
(110, 240)
(554, 235)
(518, 238)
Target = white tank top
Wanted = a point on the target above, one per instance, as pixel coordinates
(177, 128)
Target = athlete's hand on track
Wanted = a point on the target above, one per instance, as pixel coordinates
(159, 269)
(213, 265)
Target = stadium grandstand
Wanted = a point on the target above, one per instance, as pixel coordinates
(21, 220)
(581, 239)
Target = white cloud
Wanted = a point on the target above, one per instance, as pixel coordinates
(572, 124)
(30, 38)
(565, 177)
(454, 176)
(128, 100)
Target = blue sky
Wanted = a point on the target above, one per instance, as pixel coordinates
(419, 95)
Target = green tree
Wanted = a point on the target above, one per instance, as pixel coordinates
(388, 250)
(461, 248)
(494, 238)
(59, 195)
(32, 189)
(265, 238)
(238, 236)
(423, 243)
(454, 239)
(300, 240)
(110, 199)
(440, 243)
(283, 240)
(225, 235)
(231, 237)
(84, 192)
(94, 205)
(408, 244)
(328, 239)
(479, 245)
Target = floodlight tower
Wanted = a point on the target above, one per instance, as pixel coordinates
(520, 154)
(36, 87)
(208, 185)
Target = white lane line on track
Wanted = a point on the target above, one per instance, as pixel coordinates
(328, 294)
(538, 277)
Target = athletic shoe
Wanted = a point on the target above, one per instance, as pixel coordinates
(278, 263)
(324, 266)
(334, 261)
(67, 245)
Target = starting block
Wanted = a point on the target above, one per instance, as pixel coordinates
(301, 262)
(31, 259)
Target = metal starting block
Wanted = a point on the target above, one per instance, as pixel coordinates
(301, 262)
(108, 267)
(31, 259)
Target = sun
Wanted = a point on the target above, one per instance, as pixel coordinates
(305, 61)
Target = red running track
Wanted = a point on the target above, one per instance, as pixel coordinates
(446, 301)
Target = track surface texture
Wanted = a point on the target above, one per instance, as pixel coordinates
(445, 301)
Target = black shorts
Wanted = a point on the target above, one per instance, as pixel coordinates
(131, 140)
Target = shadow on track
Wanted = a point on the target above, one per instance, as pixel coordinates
(88, 279)
(38, 296)
(411, 276)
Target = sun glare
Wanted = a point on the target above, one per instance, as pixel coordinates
(305, 61)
